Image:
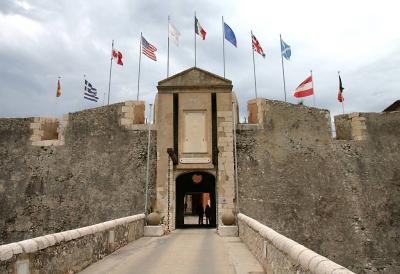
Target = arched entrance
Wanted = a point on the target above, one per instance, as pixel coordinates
(194, 189)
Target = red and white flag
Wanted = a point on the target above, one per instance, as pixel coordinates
(199, 29)
(117, 56)
(305, 88)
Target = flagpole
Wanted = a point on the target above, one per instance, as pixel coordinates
(109, 79)
(341, 93)
(168, 51)
(148, 159)
(84, 89)
(195, 39)
(312, 84)
(140, 57)
(283, 69)
(254, 66)
(223, 43)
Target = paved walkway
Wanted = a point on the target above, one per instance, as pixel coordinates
(182, 251)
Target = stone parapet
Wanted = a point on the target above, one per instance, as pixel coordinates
(279, 254)
(351, 127)
(133, 115)
(48, 131)
(70, 251)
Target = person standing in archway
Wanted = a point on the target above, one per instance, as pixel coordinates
(208, 214)
(200, 211)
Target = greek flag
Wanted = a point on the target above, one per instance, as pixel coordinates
(285, 49)
(90, 92)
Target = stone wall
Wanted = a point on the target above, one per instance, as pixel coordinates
(70, 251)
(97, 175)
(341, 198)
(278, 254)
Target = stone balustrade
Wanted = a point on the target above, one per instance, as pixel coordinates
(70, 251)
(279, 254)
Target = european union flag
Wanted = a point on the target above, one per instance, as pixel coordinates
(285, 49)
(229, 34)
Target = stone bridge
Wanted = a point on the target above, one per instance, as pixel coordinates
(123, 246)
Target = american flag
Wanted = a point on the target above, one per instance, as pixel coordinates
(148, 49)
(256, 46)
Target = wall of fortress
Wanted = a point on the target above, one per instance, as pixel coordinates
(340, 198)
(94, 172)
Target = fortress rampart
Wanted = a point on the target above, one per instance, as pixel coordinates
(340, 198)
(86, 168)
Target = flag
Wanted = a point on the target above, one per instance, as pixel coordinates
(174, 34)
(341, 88)
(90, 92)
(229, 34)
(199, 29)
(117, 55)
(256, 46)
(304, 89)
(285, 50)
(58, 94)
(148, 49)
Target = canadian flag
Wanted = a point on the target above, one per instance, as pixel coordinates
(305, 88)
(117, 56)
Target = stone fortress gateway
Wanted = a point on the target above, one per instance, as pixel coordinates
(198, 105)
(337, 196)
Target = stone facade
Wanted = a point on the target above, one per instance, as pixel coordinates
(193, 91)
(340, 198)
(98, 174)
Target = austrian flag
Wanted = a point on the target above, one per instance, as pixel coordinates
(305, 88)
(117, 56)
(199, 29)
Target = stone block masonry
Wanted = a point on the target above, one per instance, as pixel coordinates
(278, 254)
(70, 251)
(98, 174)
(133, 113)
(48, 131)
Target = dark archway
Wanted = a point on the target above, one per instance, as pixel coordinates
(194, 182)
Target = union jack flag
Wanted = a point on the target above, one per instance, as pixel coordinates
(256, 46)
(148, 49)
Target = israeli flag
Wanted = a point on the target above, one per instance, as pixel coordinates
(229, 34)
(285, 50)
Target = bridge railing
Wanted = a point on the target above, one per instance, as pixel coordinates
(279, 254)
(70, 251)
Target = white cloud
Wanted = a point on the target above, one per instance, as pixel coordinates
(40, 40)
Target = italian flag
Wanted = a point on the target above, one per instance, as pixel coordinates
(199, 29)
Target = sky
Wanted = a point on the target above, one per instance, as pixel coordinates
(41, 40)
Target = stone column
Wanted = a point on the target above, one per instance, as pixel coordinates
(226, 182)
(164, 122)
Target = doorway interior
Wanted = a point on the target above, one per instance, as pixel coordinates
(194, 192)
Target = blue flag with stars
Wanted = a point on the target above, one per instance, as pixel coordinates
(229, 34)
(285, 50)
